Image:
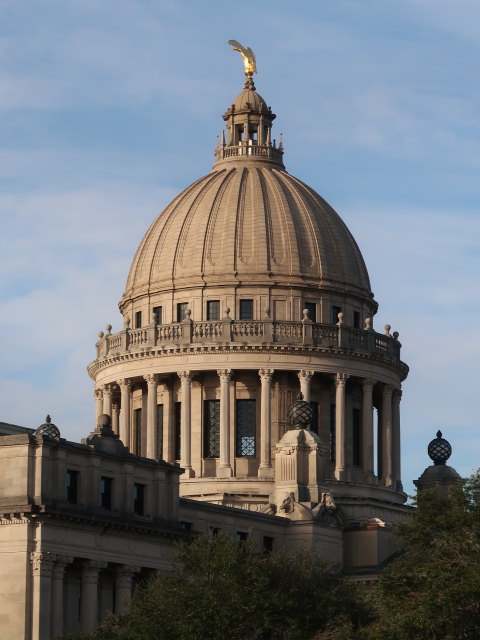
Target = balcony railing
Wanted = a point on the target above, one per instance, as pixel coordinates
(217, 332)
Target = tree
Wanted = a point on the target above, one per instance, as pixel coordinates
(433, 590)
(224, 589)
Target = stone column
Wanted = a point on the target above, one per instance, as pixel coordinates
(265, 470)
(305, 376)
(186, 423)
(168, 430)
(386, 440)
(98, 395)
(123, 586)
(396, 463)
(57, 594)
(42, 563)
(115, 417)
(225, 467)
(89, 594)
(107, 399)
(125, 389)
(152, 384)
(367, 428)
(340, 439)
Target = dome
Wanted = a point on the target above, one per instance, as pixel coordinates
(250, 100)
(250, 222)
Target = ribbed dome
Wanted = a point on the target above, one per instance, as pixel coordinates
(249, 222)
(250, 99)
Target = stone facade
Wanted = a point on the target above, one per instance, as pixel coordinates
(247, 289)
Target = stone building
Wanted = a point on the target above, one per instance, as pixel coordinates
(246, 290)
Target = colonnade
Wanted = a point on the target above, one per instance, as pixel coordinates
(388, 430)
(49, 602)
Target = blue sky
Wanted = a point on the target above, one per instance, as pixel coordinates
(108, 108)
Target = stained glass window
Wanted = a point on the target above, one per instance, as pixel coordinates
(246, 427)
(211, 428)
(177, 425)
(159, 431)
(332, 432)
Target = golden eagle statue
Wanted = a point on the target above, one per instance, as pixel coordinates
(248, 57)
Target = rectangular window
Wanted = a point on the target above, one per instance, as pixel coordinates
(157, 315)
(138, 319)
(137, 431)
(246, 427)
(356, 320)
(139, 499)
(72, 486)
(311, 307)
(182, 311)
(356, 438)
(159, 426)
(315, 425)
(213, 310)
(177, 419)
(241, 536)
(106, 492)
(211, 428)
(268, 544)
(335, 312)
(332, 432)
(246, 309)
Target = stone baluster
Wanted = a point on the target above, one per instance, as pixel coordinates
(123, 586)
(186, 423)
(386, 439)
(57, 622)
(396, 462)
(340, 436)
(265, 469)
(125, 389)
(42, 563)
(89, 594)
(305, 377)
(107, 399)
(152, 384)
(367, 428)
(225, 467)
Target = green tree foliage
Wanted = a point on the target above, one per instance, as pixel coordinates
(432, 592)
(225, 590)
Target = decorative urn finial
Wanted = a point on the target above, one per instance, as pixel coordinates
(300, 414)
(439, 449)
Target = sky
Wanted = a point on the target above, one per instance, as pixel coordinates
(108, 108)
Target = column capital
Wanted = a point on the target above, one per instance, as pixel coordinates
(305, 374)
(151, 379)
(61, 562)
(225, 375)
(90, 570)
(368, 383)
(42, 562)
(397, 395)
(387, 390)
(98, 394)
(341, 379)
(107, 388)
(265, 374)
(124, 383)
(126, 570)
(116, 406)
(185, 376)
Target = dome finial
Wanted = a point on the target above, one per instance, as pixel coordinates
(249, 61)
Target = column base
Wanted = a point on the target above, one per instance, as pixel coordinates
(225, 471)
(188, 473)
(265, 471)
(386, 481)
(342, 475)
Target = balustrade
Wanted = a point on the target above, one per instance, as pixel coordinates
(264, 331)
